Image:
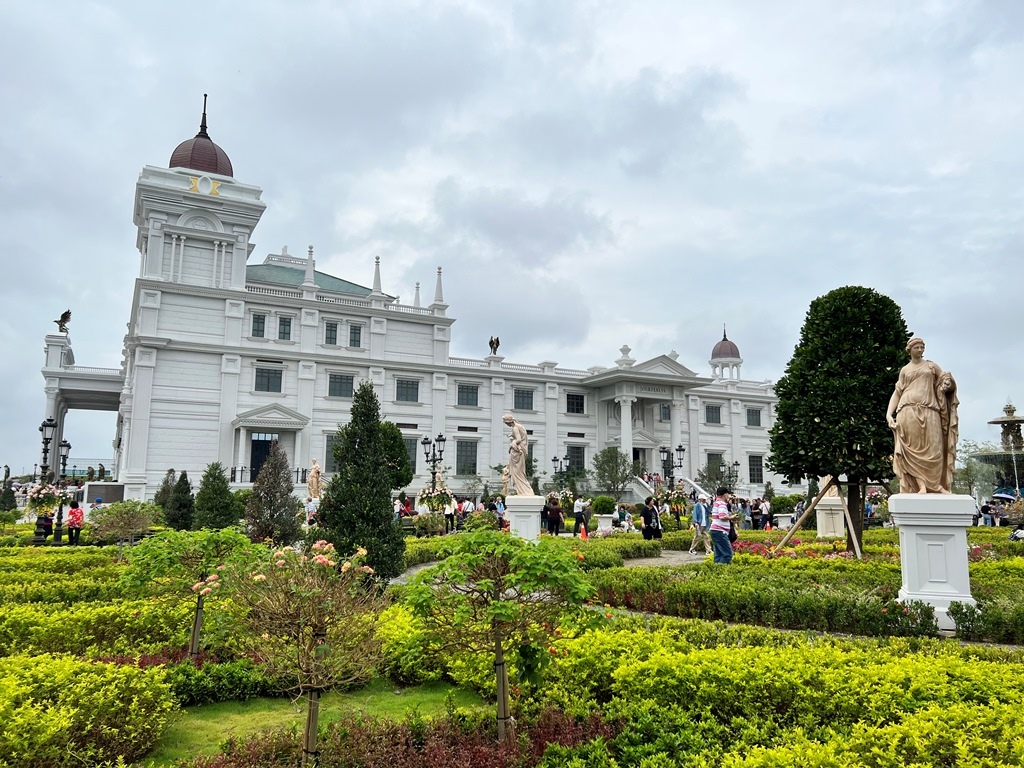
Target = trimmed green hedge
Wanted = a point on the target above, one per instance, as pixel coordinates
(61, 711)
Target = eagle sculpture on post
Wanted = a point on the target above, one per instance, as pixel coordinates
(63, 320)
(493, 344)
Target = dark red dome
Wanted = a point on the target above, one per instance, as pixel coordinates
(725, 349)
(201, 154)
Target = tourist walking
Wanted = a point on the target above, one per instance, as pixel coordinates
(76, 519)
(720, 519)
(701, 520)
(651, 520)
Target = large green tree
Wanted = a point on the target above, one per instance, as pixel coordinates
(356, 509)
(271, 509)
(830, 418)
(215, 506)
(613, 470)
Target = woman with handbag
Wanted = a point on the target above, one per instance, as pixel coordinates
(721, 525)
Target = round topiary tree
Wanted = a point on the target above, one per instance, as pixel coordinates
(833, 396)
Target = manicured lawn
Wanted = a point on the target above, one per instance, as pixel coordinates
(202, 730)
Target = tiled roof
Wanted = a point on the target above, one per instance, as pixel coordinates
(279, 274)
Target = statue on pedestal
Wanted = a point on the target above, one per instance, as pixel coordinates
(519, 484)
(314, 481)
(923, 416)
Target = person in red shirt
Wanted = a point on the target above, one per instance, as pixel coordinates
(76, 519)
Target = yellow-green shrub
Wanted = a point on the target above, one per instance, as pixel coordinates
(60, 711)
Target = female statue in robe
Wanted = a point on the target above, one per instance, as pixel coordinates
(923, 416)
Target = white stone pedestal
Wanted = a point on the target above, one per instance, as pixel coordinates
(604, 523)
(933, 549)
(831, 521)
(523, 513)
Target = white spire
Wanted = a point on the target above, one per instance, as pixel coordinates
(416, 298)
(376, 275)
(310, 266)
(438, 290)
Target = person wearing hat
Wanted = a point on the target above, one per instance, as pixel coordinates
(701, 520)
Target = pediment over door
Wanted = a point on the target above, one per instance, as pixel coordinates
(271, 418)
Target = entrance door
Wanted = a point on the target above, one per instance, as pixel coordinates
(260, 450)
(640, 455)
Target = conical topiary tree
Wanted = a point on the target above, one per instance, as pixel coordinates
(181, 506)
(215, 506)
(270, 512)
(163, 494)
(356, 509)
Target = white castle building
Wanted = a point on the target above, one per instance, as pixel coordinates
(223, 356)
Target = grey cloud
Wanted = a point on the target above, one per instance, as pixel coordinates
(515, 228)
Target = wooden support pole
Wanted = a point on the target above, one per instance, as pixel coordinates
(849, 523)
(810, 508)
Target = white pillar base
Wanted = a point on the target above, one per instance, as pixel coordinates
(933, 549)
(831, 520)
(523, 513)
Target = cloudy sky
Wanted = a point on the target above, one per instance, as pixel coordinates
(588, 173)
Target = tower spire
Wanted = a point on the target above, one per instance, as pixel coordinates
(202, 125)
(376, 275)
(438, 290)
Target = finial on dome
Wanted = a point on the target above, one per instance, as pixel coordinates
(723, 331)
(202, 125)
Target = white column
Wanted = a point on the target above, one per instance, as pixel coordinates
(626, 434)
(242, 434)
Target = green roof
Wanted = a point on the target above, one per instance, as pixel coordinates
(280, 274)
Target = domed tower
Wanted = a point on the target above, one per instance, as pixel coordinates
(194, 219)
(201, 154)
(725, 359)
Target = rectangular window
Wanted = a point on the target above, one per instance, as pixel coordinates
(714, 462)
(407, 390)
(666, 412)
(465, 457)
(268, 380)
(284, 329)
(412, 447)
(355, 336)
(330, 465)
(753, 418)
(259, 326)
(713, 414)
(522, 399)
(756, 466)
(468, 394)
(339, 385)
(575, 403)
(331, 334)
(577, 456)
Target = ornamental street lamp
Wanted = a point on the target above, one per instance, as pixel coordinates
(63, 450)
(668, 464)
(47, 429)
(433, 451)
(559, 466)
